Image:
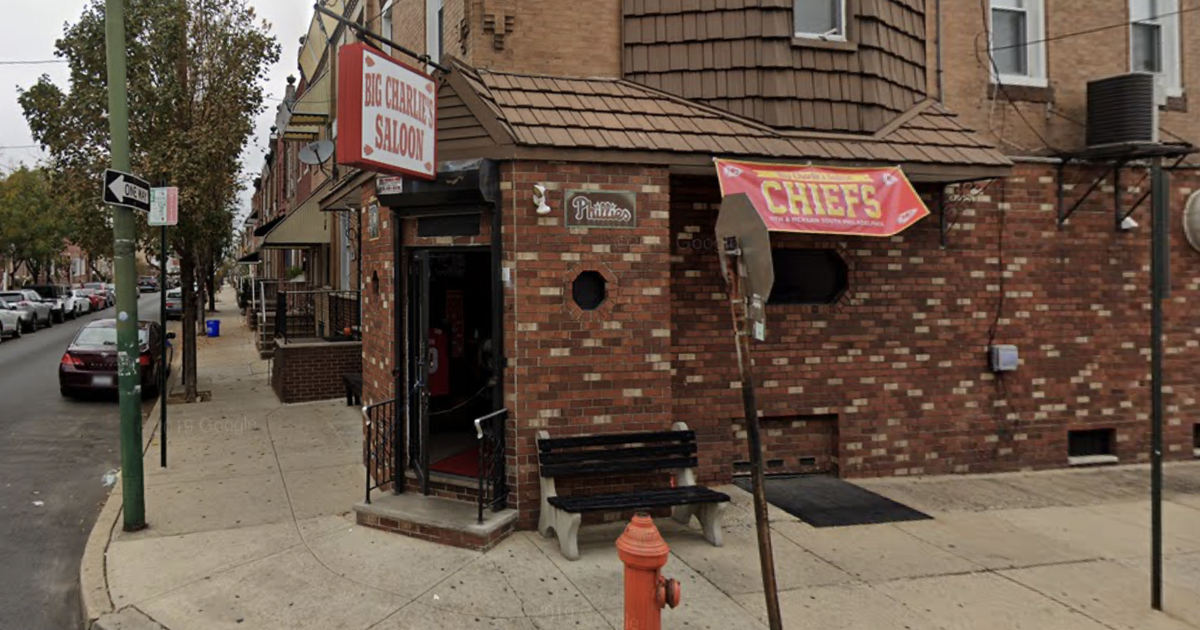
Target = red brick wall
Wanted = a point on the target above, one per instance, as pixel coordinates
(901, 358)
(304, 372)
(581, 373)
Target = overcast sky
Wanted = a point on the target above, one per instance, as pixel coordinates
(33, 26)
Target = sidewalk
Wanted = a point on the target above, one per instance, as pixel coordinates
(249, 528)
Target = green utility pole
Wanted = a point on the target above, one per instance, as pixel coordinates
(127, 294)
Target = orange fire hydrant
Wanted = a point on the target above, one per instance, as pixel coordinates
(644, 553)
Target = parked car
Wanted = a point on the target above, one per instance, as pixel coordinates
(32, 303)
(55, 295)
(83, 303)
(147, 284)
(175, 304)
(90, 361)
(101, 289)
(112, 290)
(95, 300)
(10, 321)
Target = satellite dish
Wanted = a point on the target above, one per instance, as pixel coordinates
(1191, 221)
(317, 153)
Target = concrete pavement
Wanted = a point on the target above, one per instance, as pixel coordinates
(249, 528)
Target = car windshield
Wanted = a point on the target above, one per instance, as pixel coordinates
(84, 292)
(94, 285)
(174, 293)
(12, 297)
(100, 336)
(46, 292)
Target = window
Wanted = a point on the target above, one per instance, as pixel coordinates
(808, 276)
(385, 24)
(820, 19)
(589, 290)
(1154, 41)
(1091, 442)
(433, 29)
(1018, 46)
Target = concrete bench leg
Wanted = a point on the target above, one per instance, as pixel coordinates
(710, 515)
(683, 513)
(565, 526)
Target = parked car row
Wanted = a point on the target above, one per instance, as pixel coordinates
(41, 306)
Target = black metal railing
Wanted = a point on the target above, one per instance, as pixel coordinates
(493, 479)
(323, 314)
(381, 447)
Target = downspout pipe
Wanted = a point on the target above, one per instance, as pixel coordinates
(937, 10)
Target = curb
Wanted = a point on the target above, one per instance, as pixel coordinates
(94, 598)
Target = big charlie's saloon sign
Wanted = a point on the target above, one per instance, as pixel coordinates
(388, 114)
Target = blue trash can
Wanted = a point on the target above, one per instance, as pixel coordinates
(214, 327)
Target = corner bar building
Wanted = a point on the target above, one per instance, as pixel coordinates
(597, 305)
(561, 273)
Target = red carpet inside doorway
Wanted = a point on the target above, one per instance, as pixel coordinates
(465, 463)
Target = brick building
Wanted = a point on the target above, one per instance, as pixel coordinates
(875, 360)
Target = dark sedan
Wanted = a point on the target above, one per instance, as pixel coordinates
(90, 362)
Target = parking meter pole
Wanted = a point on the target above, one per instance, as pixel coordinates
(735, 275)
(1160, 267)
(162, 372)
(124, 241)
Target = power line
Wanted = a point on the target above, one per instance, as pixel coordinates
(1091, 31)
(30, 62)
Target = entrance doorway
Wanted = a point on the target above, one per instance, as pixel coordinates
(451, 359)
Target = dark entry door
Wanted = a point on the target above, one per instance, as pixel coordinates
(418, 367)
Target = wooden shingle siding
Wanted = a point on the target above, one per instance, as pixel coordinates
(618, 115)
(739, 55)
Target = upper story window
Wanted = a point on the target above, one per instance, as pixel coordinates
(1154, 41)
(820, 19)
(385, 24)
(1018, 33)
(434, 29)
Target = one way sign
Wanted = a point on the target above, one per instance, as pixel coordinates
(123, 189)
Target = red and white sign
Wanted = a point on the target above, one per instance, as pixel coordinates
(825, 199)
(164, 206)
(387, 114)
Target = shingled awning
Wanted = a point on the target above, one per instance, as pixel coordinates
(520, 116)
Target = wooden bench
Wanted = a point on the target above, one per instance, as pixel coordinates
(353, 383)
(624, 454)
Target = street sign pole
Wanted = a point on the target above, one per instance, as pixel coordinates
(735, 273)
(163, 210)
(162, 373)
(133, 497)
(1160, 267)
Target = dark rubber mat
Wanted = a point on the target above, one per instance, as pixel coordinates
(823, 501)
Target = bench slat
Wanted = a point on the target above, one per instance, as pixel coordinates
(641, 499)
(612, 439)
(602, 467)
(617, 454)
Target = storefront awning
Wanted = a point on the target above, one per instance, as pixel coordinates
(313, 106)
(268, 226)
(253, 258)
(316, 43)
(303, 227)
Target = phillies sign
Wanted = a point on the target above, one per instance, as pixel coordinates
(388, 114)
(825, 199)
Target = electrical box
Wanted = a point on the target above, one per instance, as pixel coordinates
(1003, 358)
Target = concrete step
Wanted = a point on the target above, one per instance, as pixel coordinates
(436, 519)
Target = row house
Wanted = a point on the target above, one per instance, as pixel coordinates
(486, 296)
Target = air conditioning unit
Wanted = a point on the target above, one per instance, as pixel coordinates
(1123, 110)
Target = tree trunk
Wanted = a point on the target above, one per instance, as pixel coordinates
(210, 280)
(187, 269)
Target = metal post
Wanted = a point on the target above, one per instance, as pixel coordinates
(162, 371)
(134, 506)
(766, 557)
(1159, 278)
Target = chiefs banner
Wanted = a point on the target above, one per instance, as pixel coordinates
(825, 199)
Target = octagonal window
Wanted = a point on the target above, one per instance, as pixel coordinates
(589, 290)
(808, 276)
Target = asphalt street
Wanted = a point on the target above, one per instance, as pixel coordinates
(55, 454)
